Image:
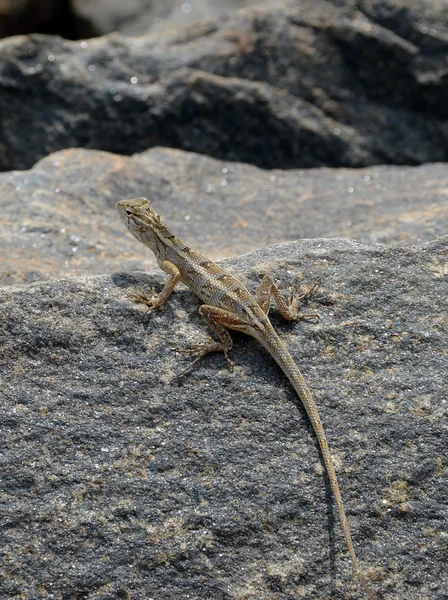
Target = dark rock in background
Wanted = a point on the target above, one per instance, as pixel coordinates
(43, 16)
(120, 480)
(135, 17)
(64, 221)
(138, 17)
(75, 19)
(313, 84)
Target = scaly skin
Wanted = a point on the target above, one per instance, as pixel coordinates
(229, 304)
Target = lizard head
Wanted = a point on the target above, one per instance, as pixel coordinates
(139, 212)
(142, 220)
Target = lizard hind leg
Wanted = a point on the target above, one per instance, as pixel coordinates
(216, 318)
(290, 310)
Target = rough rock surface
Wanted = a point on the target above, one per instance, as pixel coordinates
(319, 83)
(119, 480)
(59, 219)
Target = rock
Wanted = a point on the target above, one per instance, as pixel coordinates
(139, 17)
(42, 16)
(308, 85)
(74, 19)
(120, 479)
(135, 17)
(59, 218)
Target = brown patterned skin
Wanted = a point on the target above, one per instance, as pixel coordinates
(228, 304)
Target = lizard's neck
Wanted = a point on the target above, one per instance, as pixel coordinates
(167, 246)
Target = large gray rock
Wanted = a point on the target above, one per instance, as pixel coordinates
(59, 218)
(120, 480)
(313, 84)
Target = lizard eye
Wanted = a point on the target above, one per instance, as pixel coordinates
(128, 212)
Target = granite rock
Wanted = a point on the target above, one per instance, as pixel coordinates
(59, 218)
(121, 480)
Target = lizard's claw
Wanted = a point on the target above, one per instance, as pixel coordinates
(202, 350)
(139, 295)
(300, 293)
(230, 363)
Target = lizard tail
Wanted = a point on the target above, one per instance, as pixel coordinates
(280, 353)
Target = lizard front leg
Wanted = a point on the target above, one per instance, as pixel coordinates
(156, 300)
(289, 309)
(218, 319)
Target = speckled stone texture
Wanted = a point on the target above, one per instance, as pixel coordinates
(120, 480)
(59, 219)
(312, 119)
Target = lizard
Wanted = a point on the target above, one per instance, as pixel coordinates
(228, 304)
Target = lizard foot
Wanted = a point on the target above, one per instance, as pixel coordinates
(139, 295)
(202, 350)
(300, 293)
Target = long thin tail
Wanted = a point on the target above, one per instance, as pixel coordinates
(279, 352)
